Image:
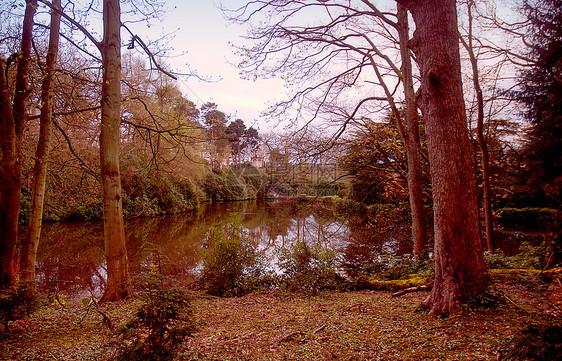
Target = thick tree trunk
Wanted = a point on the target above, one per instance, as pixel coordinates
(460, 271)
(412, 140)
(12, 122)
(31, 242)
(114, 232)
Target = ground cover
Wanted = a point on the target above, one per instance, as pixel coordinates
(360, 325)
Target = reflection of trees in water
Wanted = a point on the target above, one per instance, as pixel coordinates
(72, 253)
(382, 231)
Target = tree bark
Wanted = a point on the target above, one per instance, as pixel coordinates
(31, 242)
(412, 140)
(460, 271)
(12, 122)
(117, 286)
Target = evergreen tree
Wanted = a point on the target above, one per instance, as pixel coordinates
(541, 94)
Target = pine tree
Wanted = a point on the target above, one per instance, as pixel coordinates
(541, 94)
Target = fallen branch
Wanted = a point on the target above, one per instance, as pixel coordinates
(290, 336)
(319, 329)
(105, 317)
(424, 287)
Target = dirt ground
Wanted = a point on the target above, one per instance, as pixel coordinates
(362, 325)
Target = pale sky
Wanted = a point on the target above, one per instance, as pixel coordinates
(205, 35)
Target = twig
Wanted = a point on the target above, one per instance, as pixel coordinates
(59, 301)
(106, 318)
(86, 313)
(290, 336)
(319, 329)
(424, 287)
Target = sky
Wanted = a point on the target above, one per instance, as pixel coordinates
(202, 35)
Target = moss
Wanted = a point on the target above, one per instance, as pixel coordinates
(412, 280)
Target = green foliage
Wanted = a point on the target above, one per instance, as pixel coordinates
(255, 180)
(309, 269)
(159, 193)
(90, 212)
(234, 185)
(529, 218)
(191, 192)
(536, 342)
(540, 92)
(374, 158)
(140, 206)
(161, 323)
(232, 264)
(528, 257)
(15, 304)
(390, 267)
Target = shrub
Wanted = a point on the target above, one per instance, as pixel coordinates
(140, 206)
(535, 257)
(254, 179)
(15, 304)
(390, 267)
(528, 218)
(536, 342)
(90, 212)
(232, 264)
(161, 323)
(309, 269)
(191, 192)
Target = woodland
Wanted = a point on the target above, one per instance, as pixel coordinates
(443, 116)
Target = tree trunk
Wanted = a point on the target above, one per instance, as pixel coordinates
(117, 286)
(12, 122)
(31, 242)
(412, 140)
(460, 271)
(488, 216)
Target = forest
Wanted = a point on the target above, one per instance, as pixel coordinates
(408, 209)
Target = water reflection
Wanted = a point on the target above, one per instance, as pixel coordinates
(71, 255)
(71, 258)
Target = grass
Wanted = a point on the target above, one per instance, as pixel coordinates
(363, 325)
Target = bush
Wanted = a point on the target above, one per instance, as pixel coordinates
(192, 193)
(140, 206)
(90, 212)
(225, 186)
(232, 264)
(254, 179)
(15, 304)
(528, 218)
(309, 269)
(536, 342)
(161, 323)
(528, 257)
(390, 267)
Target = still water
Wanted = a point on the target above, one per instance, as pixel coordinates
(71, 258)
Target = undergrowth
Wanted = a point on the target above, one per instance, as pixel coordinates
(15, 304)
(308, 269)
(232, 265)
(160, 324)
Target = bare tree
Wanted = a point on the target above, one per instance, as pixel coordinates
(114, 230)
(117, 286)
(12, 122)
(31, 241)
(460, 271)
(482, 142)
(306, 54)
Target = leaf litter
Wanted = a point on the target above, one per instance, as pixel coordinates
(360, 325)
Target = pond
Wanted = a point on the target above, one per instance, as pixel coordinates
(71, 259)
